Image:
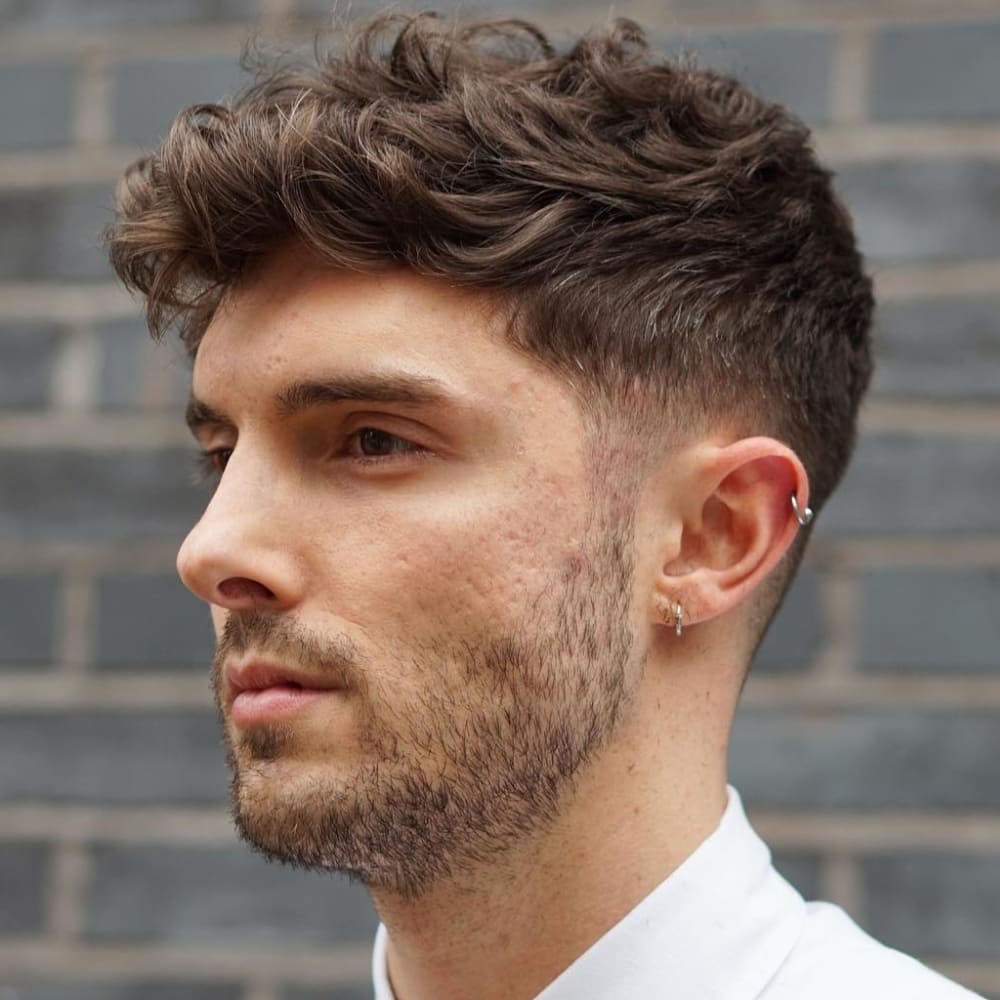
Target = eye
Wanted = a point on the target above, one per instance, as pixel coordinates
(211, 464)
(373, 444)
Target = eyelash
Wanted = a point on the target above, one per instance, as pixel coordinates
(209, 469)
(206, 469)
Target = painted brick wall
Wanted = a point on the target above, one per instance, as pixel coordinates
(868, 745)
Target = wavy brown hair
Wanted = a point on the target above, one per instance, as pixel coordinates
(657, 232)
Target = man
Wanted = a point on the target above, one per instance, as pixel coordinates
(520, 376)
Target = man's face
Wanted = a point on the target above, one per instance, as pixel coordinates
(410, 511)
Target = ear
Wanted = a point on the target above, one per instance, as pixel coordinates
(737, 523)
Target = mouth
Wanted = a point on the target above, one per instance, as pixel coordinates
(262, 693)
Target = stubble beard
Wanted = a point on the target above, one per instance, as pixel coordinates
(504, 724)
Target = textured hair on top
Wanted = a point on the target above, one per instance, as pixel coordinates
(654, 230)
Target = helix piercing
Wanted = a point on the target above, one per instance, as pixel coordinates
(804, 517)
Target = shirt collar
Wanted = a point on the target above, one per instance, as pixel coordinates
(717, 928)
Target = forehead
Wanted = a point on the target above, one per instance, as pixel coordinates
(294, 317)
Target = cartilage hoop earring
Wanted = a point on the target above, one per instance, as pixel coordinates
(804, 517)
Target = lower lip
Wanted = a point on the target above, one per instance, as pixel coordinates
(277, 702)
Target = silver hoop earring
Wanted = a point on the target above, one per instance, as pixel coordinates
(804, 517)
(678, 620)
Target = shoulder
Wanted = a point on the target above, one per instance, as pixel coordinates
(834, 958)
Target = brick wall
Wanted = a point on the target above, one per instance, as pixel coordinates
(868, 745)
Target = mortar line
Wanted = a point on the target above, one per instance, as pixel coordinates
(336, 965)
(925, 550)
(65, 302)
(919, 281)
(83, 165)
(92, 431)
(74, 376)
(43, 556)
(843, 145)
(21, 45)
(76, 627)
(261, 989)
(925, 418)
(72, 872)
(92, 117)
(112, 690)
(893, 692)
(18, 46)
(839, 598)
(841, 883)
(869, 833)
(851, 73)
(119, 824)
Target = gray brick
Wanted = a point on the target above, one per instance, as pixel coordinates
(936, 71)
(122, 13)
(36, 104)
(802, 869)
(24, 875)
(147, 622)
(924, 210)
(28, 351)
(98, 496)
(149, 93)
(940, 349)
(796, 633)
(219, 896)
(934, 903)
(47, 989)
(132, 368)
(54, 234)
(866, 758)
(92, 756)
(27, 620)
(362, 991)
(899, 485)
(931, 620)
(792, 66)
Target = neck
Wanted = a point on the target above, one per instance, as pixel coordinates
(633, 817)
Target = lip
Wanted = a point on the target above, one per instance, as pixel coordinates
(264, 692)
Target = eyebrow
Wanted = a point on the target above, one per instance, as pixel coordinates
(417, 390)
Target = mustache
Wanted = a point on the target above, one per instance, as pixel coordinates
(285, 639)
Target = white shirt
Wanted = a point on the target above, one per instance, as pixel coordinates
(726, 926)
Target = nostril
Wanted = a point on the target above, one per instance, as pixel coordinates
(239, 588)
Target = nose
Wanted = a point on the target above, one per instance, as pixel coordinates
(239, 556)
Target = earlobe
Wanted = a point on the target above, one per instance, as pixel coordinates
(753, 498)
(672, 614)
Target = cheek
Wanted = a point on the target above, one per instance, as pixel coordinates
(490, 567)
(462, 560)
